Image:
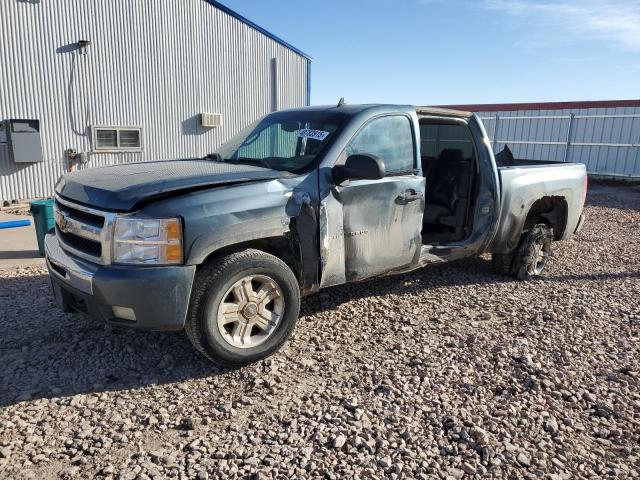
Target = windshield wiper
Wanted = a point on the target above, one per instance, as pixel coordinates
(246, 161)
(216, 157)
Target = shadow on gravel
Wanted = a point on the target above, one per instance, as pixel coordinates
(471, 271)
(45, 353)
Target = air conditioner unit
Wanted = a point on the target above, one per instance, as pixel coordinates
(210, 120)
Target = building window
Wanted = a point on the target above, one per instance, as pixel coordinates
(120, 139)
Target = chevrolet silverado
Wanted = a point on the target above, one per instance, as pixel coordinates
(225, 246)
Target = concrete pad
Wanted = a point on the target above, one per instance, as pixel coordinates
(18, 246)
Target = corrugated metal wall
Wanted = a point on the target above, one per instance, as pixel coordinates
(607, 140)
(156, 64)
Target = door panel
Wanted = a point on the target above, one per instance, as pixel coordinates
(382, 222)
(371, 227)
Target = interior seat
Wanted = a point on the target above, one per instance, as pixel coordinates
(448, 190)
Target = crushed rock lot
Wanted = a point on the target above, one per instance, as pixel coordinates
(451, 371)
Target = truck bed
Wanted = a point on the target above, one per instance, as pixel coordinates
(521, 162)
(527, 182)
(506, 159)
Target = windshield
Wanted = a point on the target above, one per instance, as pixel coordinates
(288, 141)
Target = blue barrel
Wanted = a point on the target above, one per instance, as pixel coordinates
(42, 211)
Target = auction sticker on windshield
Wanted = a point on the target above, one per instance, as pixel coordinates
(315, 134)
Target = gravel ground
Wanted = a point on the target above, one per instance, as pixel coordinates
(451, 371)
(22, 211)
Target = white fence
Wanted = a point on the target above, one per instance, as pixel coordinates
(608, 143)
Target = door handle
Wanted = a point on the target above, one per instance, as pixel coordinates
(410, 196)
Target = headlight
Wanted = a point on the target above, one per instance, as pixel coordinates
(146, 241)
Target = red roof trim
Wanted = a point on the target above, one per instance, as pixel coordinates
(512, 107)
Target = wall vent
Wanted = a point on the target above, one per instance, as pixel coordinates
(210, 120)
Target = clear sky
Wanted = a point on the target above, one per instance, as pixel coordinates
(460, 51)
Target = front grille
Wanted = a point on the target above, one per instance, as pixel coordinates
(77, 242)
(89, 218)
(84, 231)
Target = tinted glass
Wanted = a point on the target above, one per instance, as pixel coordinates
(389, 138)
(436, 138)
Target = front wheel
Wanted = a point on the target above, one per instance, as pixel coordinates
(244, 306)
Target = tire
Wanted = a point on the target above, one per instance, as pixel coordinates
(243, 307)
(524, 262)
(532, 255)
(502, 263)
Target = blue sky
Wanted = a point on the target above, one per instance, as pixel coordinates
(460, 51)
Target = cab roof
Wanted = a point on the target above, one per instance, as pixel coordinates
(447, 112)
(354, 109)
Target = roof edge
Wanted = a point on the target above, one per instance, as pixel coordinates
(257, 27)
(512, 107)
(427, 110)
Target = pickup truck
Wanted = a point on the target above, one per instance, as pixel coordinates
(225, 246)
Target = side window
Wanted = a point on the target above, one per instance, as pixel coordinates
(435, 138)
(389, 138)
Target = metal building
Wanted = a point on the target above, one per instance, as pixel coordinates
(93, 83)
(604, 135)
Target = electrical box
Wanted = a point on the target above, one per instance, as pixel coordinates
(24, 141)
(210, 120)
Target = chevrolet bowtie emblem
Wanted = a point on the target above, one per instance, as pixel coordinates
(61, 220)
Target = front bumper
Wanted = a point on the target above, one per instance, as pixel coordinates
(158, 296)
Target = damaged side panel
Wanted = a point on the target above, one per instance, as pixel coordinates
(222, 217)
(369, 228)
(381, 228)
(332, 241)
(303, 211)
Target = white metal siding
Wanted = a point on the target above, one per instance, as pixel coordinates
(606, 140)
(157, 64)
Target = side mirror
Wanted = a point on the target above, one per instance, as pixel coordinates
(359, 167)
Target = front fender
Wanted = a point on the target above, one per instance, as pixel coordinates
(255, 229)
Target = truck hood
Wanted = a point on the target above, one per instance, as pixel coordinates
(122, 187)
